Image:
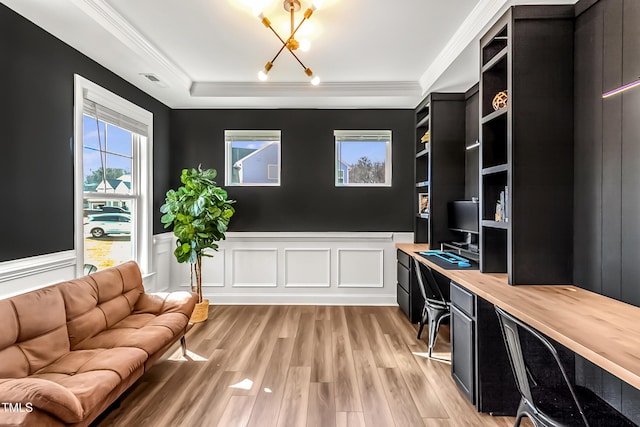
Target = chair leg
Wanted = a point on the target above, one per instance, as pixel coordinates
(423, 320)
(183, 344)
(518, 420)
(435, 317)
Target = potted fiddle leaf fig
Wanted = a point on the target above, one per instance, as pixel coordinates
(199, 212)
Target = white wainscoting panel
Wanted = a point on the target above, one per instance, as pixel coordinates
(307, 268)
(27, 274)
(360, 268)
(255, 268)
(163, 254)
(327, 268)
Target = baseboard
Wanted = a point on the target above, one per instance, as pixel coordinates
(301, 299)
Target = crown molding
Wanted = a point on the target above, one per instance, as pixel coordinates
(305, 89)
(482, 15)
(109, 19)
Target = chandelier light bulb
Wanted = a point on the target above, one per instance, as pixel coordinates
(262, 76)
(305, 45)
(315, 80)
(316, 4)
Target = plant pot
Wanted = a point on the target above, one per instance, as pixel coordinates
(200, 312)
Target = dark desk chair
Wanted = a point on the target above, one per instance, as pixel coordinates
(548, 398)
(436, 306)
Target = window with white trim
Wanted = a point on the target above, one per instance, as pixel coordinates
(113, 182)
(363, 158)
(252, 157)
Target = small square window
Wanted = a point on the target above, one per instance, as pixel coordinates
(252, 157)
(363, 158)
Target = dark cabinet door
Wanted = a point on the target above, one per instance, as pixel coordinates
(462, 352)
(404, 285)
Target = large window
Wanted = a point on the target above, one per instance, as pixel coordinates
(113, 179)
(363, 158)
(252, 157)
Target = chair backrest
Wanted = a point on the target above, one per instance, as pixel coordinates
(536, 365)
(89, 269)
(428, 284)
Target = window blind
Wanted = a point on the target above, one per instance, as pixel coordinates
(105, 114)
(252, 135)
(362, 135)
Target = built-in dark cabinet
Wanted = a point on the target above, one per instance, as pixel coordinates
(526, 153)
(408, 294)
(463, 352)
(479, 362)
(472, 141)
(439, 164)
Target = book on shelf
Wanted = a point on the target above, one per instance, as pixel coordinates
(423, 203)
(502, 204)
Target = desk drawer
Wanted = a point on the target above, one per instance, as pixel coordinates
(404, 301)
(463, 299)
(404, 258)
(404, 277)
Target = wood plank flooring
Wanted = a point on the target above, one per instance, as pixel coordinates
(301, 366)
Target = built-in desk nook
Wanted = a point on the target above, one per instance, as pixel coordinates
(600, 329)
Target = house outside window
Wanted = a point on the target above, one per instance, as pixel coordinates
(252, 157)
(113, 179)
(363, 158)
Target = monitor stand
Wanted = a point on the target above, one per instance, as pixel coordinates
(471, 241)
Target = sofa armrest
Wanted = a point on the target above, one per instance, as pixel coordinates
(166, 302)
(47, 396)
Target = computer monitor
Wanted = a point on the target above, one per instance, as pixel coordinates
(463, 216)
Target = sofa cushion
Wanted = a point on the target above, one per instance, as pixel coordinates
(121, 360)
(167, 302)
(91, 375)
(90, 388)
(34, 332)
(44, 395)
(147, 338)
(95, 303)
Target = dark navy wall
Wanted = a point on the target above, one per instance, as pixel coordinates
(307, 199)
(36, 137)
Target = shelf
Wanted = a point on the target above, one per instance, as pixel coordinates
(495, 169)
(495, 224)
(497, 58)
(423, 152)
(494, 114)
(423, 121)
(422, 184)
(422, 215)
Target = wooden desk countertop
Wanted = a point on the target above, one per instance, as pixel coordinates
(600, 329)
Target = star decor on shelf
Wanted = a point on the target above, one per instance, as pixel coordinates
(290, 43)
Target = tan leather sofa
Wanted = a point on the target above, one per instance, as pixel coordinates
(69, 350)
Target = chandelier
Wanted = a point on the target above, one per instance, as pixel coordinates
(290, 43)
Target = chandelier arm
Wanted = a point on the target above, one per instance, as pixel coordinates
(297, 28)
(278, 54)
(278, 36)
(297, 59)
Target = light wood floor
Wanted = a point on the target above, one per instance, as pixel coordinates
(301, 366)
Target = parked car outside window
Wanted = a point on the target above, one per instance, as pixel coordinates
(104, 224)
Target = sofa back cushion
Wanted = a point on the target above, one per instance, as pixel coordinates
(34, 332)
(98, 301)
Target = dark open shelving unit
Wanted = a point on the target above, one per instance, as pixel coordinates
(527, 146)
(440, 164)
